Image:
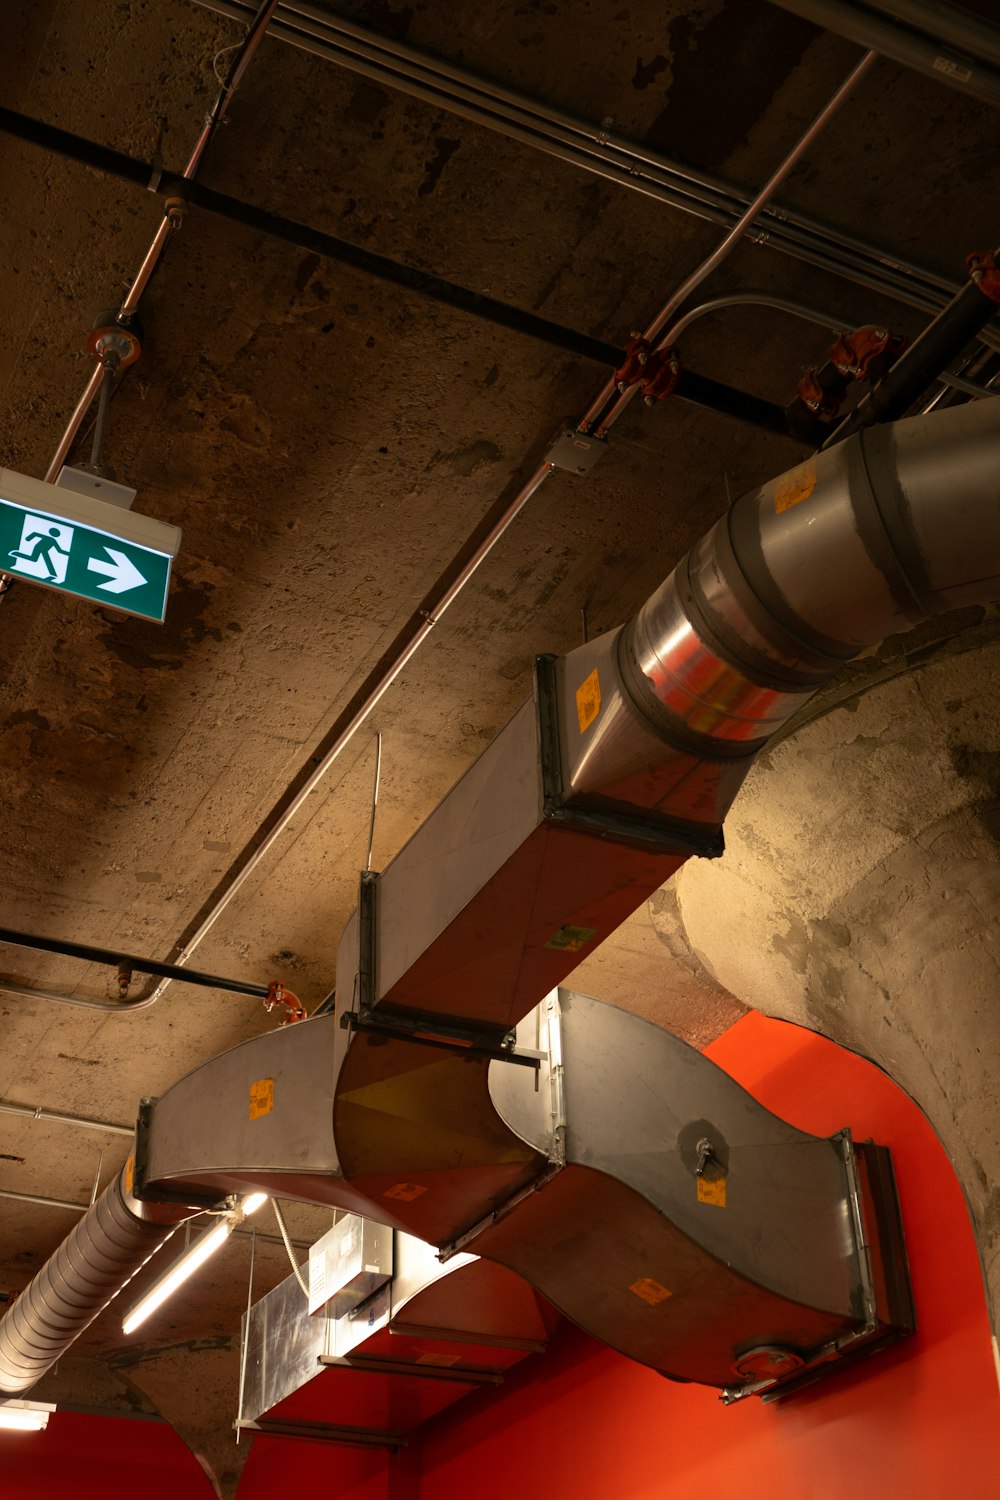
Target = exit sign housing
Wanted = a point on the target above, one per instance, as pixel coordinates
(77, 544)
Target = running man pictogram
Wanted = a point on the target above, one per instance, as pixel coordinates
(44, 550)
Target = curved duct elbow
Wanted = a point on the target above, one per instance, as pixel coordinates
(112, 1242)
(894, 525)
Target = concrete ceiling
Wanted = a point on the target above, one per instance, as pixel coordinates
(330, 446)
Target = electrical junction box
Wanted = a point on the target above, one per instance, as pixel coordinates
(574, 450)
(350, 1263)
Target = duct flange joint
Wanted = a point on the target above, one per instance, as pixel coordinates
(191, 1199)
(415, 1026)
(632, 829)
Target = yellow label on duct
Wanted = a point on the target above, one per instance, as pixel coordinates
(261, 1098)
(794, 487)
(571, 939)
(588, 700)
(404, 1191)
(129, 1174)
(712, 1191)
(649, 1291)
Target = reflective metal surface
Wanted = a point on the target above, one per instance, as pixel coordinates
(428, 1337)
(348, 1265)
(102, 1253)
(689, 1225)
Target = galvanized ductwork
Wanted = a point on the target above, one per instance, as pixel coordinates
(592, 796)
(690, 1228)
(107, 1247)
(640, 740)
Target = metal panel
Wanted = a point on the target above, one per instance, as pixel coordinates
(461, 1324)
(348, 1264)
(283, 1346)
(420, 1138)
(690, 1225)
(473, 833)
(262, 1107)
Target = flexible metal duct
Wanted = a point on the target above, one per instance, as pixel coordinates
(582, 806)
(107, 1247)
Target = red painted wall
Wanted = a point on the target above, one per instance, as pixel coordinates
(314, 1469)
(99, 1458)
(920, 1421)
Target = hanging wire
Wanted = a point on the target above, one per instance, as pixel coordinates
(108, 387)
(371, 823)
(246, 1333)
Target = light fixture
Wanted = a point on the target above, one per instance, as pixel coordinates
(179, 1272)
(25, 1416)
(250, 1205)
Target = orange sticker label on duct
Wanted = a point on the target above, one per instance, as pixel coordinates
(129, 1174)
(710, 1191)
(588, 700)
(404, 1191)
(571, 939)
(650, 1291)
(261, 1098)
(794, 487)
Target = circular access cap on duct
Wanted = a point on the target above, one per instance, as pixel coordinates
(767, 1362)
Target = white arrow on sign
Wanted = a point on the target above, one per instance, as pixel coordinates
(122, 571)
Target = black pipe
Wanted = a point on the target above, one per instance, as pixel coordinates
(113, 958)
(941, 341)
(169, 185)
(700, 390)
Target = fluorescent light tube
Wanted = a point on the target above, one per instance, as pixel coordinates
(25, 1416)
(179, 1272)
(256, 1200)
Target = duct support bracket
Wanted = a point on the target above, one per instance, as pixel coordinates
(317, 1432)
(423, 1027)
(456, 1374)
(191, 1199)
(635, 830)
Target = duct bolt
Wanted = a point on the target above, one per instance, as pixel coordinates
(706, 1152)
(173, 211)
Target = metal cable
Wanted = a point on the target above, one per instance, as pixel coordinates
(287, 1239)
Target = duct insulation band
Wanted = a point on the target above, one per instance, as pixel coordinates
(109, 1245)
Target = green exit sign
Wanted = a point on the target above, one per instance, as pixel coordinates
(80, 545)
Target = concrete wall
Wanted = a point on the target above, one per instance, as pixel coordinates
(860, 891)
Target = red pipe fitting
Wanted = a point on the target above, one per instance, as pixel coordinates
(637, 353)
(277, 995)
(660, 376)
(984, 273)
